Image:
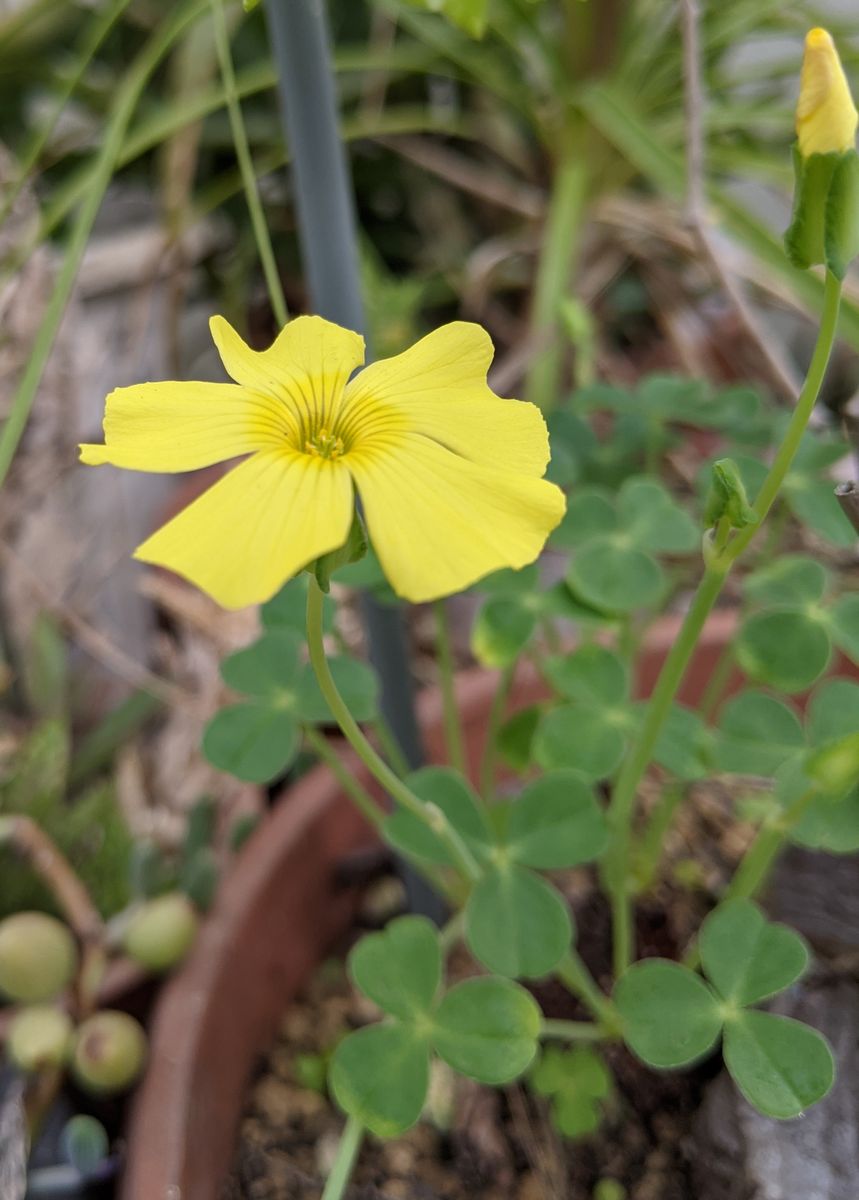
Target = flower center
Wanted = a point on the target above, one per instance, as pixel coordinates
(324, 444)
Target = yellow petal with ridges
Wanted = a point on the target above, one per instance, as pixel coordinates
(826, 116)
(439, 388)
(439, 522)
(184, 426)
(258, 526)
(307, 365)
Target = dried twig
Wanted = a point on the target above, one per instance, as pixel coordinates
(97, 644)
(847, 495)
(780, 373)
(468, 176)
(25, 836)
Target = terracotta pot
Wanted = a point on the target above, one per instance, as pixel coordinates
(276, 915)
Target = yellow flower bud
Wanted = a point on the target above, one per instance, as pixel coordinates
(826, 116)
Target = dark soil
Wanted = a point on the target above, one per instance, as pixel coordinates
(476, 1143)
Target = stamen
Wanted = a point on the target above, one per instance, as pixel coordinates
(324, 444)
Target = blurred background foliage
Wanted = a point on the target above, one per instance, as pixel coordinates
(502, 149)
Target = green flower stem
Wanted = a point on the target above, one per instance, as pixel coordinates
(452, 726)
(718, 567)
(390, 746)
(362, 799)
(753, 872)
(344, 1163)
(488, 760)
(654, 834)
(575, 976)
(717, 683)
(95, 34)
(246, 166)
(430, 815)
(572, 1031)
(127, 98)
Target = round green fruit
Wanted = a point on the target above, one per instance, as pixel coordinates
(38, 957)
(39, 1037)
(109, 1052)
(161, 933)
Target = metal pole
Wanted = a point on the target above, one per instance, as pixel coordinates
(327, 232)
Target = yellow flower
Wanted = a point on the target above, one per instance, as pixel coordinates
(449, 474)
(825, 115)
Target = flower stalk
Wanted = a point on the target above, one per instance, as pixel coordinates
(621, 810)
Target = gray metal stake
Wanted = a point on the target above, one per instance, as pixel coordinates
(326, 224)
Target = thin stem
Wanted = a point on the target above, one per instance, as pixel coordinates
(673, 670)
(126, 103)
(452, 725)
(323, 750)
(717, 683)
(654, 834)
(754, 870)
(429, 814)
(95, 34)
(243, 154)
(488, 759)
(344, 1163)
(572, 1031)
(758, 861)
(575, 976)
(390, 746)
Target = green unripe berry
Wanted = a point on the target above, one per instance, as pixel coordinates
(161, 933)
(38, 957)
(109, 1052)
(39, 1037)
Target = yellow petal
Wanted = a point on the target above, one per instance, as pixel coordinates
(307, 365)
(259, 525)
(439, 522)
(439, 387)
(183, 426)
(825, 115)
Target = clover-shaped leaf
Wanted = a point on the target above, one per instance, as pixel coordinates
(503, 628)
(516, 737)
(758, 733)
(788, 648)
(578, 1084)
(648, 512)
(780, 1065)
(792, 579)
(590, 512)
(748, 958)
(356, 682)
(452, 793)
(833, 711)
(670, 1016)
(255, 741)
(684, 745)
(556, 822)
(516, 923)
(611, 573)
(844, 624)
(267, 668)
(588, 740)
(486, 1028)
(287, 611)
(380, 1075)
(588, 673)
(589, 735)
(400, 967)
